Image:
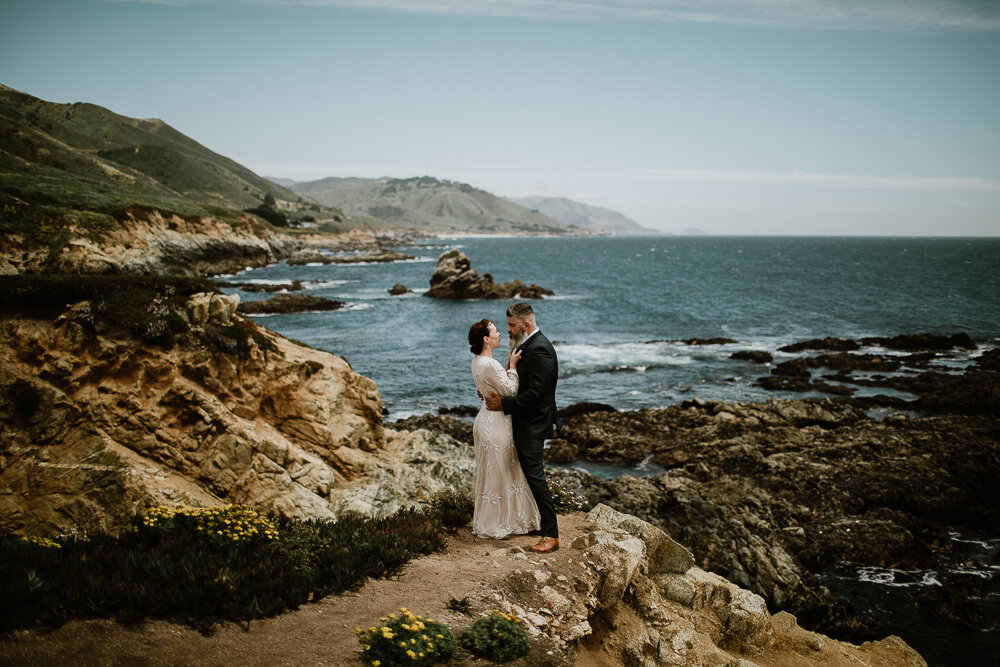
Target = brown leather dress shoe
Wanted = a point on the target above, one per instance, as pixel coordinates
(546, 545)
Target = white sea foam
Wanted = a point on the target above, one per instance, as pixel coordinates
(619, 357)
(888, 577)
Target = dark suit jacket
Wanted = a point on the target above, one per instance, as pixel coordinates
(534, 408)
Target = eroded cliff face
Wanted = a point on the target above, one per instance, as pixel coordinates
(97, 425)
(149, 242)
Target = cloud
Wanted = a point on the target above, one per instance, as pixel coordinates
(882, 15)
(903, 182)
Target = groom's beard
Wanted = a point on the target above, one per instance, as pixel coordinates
(515, 341)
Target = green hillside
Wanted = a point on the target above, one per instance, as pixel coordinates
(431, 205)
(82, 156)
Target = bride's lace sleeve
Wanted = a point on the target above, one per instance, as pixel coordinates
(505, 382)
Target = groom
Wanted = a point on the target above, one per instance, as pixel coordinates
(533, 411)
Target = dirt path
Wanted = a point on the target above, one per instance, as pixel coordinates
(315, 634)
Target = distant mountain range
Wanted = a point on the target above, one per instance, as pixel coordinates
(432, 205)
(447, 207)
(83, 155)
(584, 215)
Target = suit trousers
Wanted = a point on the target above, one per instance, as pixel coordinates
(529, 454)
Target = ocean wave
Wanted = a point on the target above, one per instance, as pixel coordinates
(885, 576)
(578, 358)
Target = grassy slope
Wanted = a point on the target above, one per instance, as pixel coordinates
(430, 204)
(85, 156)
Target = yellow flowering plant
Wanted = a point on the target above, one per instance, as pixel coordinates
(498, 637)
(236, 523)
(42, 542)
(406, 639)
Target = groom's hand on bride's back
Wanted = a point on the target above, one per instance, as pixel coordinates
(493, 402)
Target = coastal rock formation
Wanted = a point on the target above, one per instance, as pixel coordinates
(398, 289)
(294, 286)
(841, 368)
(96, 424)
(454, 278)
(369, 255)
(772, 495)
(150, 242)
(290, 303)
(628, 592)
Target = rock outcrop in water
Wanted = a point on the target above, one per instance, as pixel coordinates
(290, 303)
(454, 278)
(841, 368)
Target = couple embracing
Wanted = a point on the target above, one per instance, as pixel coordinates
(518, 415)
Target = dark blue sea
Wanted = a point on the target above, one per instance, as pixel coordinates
(622, 308)
(623, 304)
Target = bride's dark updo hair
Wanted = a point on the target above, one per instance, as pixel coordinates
(477, 332)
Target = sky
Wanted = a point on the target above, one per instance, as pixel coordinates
(757, 117)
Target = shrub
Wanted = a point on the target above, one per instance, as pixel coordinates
(461, 605)
(203, 565)
(454, 506)
(498, 637)
(406, 640)
(566, 501)
(272, 215)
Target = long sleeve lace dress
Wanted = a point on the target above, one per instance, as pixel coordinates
(504, 504)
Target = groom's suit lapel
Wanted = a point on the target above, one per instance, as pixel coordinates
(525, 365)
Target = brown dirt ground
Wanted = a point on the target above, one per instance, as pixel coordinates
(319, 633)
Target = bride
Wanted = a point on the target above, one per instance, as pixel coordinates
(504, 504)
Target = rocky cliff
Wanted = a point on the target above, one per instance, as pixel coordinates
(96, 424)
(148, 242)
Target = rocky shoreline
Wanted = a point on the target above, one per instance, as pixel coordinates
(773, 495)
(97, 423)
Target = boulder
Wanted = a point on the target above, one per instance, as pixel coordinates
(454, 278)
(662, 553)
(756, 356)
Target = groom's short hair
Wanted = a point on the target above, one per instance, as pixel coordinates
(521, 312)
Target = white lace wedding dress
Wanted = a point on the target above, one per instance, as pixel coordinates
(504, 504)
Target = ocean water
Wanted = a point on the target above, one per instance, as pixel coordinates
(622, 305)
